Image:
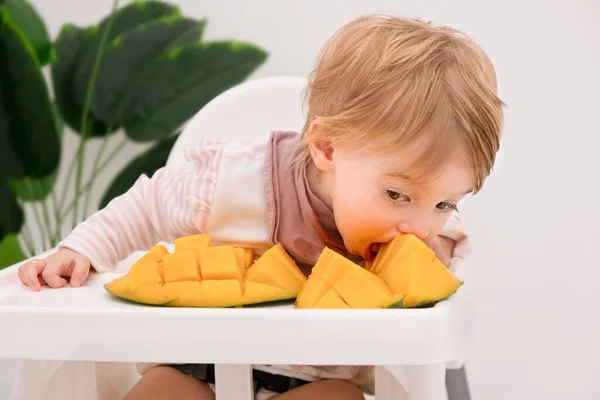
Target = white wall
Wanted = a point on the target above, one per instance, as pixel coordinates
(535, 225)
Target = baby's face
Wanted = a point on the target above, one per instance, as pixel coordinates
(374, 198)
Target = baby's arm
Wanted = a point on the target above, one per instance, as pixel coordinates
(174, 202)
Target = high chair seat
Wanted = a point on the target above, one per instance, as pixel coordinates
(82, 343)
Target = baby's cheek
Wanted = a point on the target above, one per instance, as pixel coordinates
(361, 213)
(354, 220)
(369, 222)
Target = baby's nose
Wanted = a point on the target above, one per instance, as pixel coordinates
(418, 226)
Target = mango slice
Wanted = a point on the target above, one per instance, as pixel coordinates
(406, 273)
(200, 275)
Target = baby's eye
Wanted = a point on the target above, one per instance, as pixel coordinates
(445, 206)
(396, 196)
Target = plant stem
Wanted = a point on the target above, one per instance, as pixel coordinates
(47, 220)
(26, 245)
(68, 178)
(99, 155)
(88, 99)
(78, 171)
(26, 230)
(27, 241)
(43, 231)
(44, 206)
(57, 231)
(95, 173)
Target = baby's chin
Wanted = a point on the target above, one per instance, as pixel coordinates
(363, 250)
(371, 251)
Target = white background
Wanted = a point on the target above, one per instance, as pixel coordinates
(535, 225)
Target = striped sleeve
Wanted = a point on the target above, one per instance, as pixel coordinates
(174, 202)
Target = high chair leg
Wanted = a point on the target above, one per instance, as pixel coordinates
(426, 382)
(457, 384)
(234, 382)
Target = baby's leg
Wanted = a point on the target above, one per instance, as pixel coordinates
(323, 390)
(164, 382)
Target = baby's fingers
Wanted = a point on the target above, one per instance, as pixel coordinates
(28, 273)
(81, 270)
(52, 276)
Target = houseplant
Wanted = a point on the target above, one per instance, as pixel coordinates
(142, 72)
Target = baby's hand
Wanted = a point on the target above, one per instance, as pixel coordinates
(52, 269)
(443, 247)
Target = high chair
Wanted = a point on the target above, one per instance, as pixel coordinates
(82, 343)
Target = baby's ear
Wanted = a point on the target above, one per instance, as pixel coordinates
(321, 152)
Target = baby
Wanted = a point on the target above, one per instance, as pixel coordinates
(403, 121)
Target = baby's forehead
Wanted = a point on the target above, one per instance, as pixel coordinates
(452, 175)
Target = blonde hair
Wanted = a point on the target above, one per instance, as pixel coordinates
(399, 80)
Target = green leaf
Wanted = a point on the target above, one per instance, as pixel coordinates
(145, 163)
(33, 189)
(10, 251)
(29, 144)
(31, 24)
(125, 19)
(183, 80)
(11, 217)
(11, 164)
(68, 45)
(37, 189)
(130, 52)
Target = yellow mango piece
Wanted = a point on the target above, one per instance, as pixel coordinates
(181, 280)
(255, 293)
(329, 269)
(198, 274)
(198, 242)
(156, 253)
(276, 268)
(148, 268)
(405, 273)
(221, 293)
(399, 248)
(222, 262)
(140, 290)
(149, 294)
(145, 272)
(184, 292)
(247, 255)
(414, 271)
(361, 289)
(277, 252)
(355, 286)
(118, 286)
(331, 299)
(331, 265)
(314, 288)
(182, 266)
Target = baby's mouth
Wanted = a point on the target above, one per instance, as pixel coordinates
(371, 251)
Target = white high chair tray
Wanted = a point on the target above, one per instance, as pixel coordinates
(89, 324)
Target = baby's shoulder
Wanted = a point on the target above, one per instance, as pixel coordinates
(257, 147)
